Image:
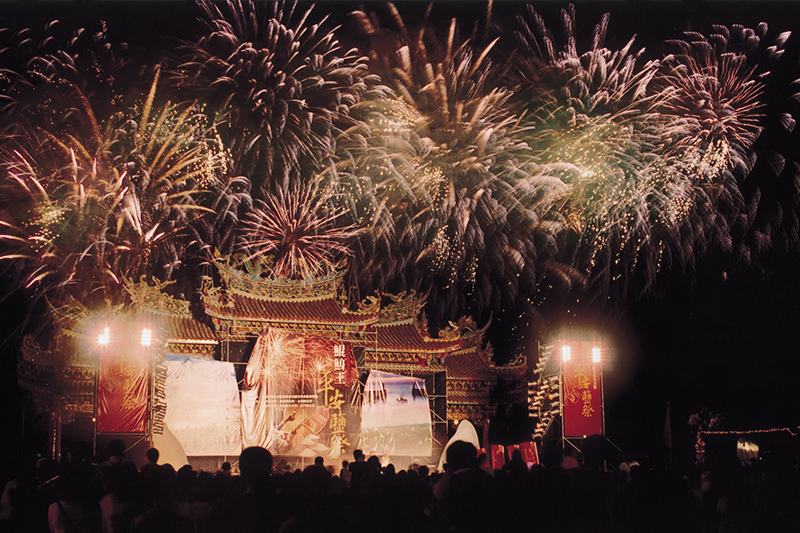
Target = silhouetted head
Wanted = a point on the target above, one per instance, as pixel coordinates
(461, 454)
(116, 448)
(374, 463)
(153, 455)
(255, 463)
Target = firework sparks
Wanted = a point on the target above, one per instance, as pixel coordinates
(594, 122)
(281, 84)
(298, 229)
(466, 222)
(81, 216)
(567, 170)
(719, 83)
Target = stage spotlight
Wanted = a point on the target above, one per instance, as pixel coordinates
(596, 354)
(104, 338)
(566, 353)
(147, 336)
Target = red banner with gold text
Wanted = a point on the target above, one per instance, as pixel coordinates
(529, 452)
(583, 395)
(122, 389)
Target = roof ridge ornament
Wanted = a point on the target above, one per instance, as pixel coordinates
(153, 297)
(253, 278)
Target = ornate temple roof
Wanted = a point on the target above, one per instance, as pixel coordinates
(248, 301)
(175, 316)
(402, 326)
(241, 307)
(59, 381)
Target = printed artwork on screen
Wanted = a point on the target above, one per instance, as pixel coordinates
(296, 395)
(395, 416)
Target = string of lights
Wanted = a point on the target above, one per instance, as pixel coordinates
(752, 431)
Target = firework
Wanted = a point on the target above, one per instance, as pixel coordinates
(79, 216)
(593, 120)
(372, 173)
(561, 170)
(297, 229)
(47, 64)
(467, 234)
(720, 84)
(281, 83)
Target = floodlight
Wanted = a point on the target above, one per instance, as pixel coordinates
(596, 354)
(147, 337)
(104, 338)
(566, 353)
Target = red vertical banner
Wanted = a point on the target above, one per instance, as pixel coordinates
(122, 388)
(583, 394)
(530, 454)
(498, 456)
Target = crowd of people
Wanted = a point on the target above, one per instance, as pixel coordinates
(259, 495)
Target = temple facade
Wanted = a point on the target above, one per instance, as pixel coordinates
(387, 333)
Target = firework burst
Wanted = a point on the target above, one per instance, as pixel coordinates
(469, 233)
(372, 173)
(79, 216)
(297, 230)
(722, 84)
(45, 65)
(719, 100)
(593, 120)
(281, 83)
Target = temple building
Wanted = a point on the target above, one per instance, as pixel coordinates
(299, 366)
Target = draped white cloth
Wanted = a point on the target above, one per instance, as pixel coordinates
(203, 406)
(466, 432)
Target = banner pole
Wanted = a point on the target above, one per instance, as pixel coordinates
(96, 409)
(561, 400)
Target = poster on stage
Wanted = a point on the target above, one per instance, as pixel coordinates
(296, 395)
(203, 407)
(583, 395)
(122, 388)
(395, 416)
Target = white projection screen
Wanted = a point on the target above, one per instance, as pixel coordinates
(395, 416)
(203, 406)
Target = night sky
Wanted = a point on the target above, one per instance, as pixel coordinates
(722, 336)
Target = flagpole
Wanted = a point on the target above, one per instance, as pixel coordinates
(668, 431)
